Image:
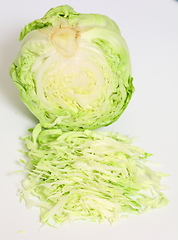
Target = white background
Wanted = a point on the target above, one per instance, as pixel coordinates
(150, 28)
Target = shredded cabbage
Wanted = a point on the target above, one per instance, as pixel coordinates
(93, 175)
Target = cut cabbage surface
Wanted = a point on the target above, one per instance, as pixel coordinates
(73, 70)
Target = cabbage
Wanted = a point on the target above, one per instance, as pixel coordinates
(90, 175)
(73, 70)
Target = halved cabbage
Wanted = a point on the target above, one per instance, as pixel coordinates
(73, 70)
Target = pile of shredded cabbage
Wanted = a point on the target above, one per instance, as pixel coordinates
(90, 175)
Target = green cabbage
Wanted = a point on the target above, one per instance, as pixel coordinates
(91, 175)
(73, 70)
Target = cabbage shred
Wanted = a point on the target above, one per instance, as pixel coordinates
(93, 175)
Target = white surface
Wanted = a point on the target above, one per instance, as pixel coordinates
(150, 28)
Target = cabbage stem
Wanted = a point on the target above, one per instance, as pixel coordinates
(65, 41)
